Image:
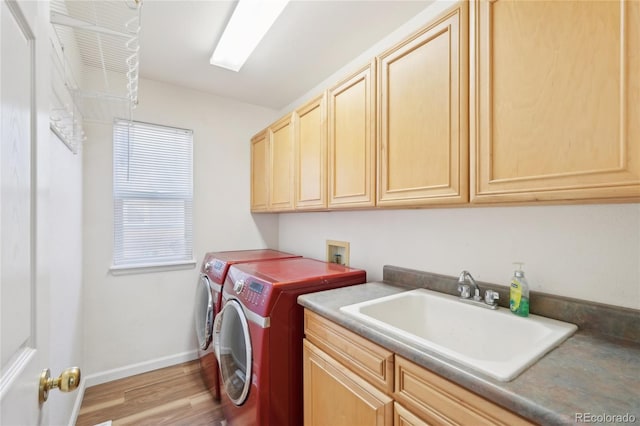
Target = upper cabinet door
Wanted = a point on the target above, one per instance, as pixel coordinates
(310, 148)
(423, 116)
(259, 172)
(352, 141)
(281, 165)
(555, 100)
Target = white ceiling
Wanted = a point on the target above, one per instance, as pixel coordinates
(310, 41)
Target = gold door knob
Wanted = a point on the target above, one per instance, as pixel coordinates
(67, 382)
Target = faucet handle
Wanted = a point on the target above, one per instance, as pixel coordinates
(476, 295)
(490, 297)
(464, 290)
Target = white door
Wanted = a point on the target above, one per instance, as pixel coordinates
(23, 295)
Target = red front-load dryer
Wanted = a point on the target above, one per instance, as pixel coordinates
(258, 337)
(209, 300)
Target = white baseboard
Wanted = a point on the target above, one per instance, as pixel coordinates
(141, 367)
(126, 371)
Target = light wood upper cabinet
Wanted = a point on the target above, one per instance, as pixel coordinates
(352, 141)
(281, 176)
(259, 172)
(555, 100)
(423, 146)
(495, 101)
(310, 148)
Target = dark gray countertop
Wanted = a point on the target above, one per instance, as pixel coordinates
(589, 374)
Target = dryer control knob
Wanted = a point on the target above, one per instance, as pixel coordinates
(238, 286)
(207, 267)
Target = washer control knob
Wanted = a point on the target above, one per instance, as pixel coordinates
(238, 287)
(207, 267)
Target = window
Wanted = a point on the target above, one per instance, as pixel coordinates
(152, 195)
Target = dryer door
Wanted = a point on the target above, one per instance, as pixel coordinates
(204, 312)
(232, 344)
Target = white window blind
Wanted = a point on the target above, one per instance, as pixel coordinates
(152, 194)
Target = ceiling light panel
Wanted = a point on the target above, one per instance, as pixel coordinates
(249, 23)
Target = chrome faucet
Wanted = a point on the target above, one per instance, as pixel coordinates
(464, 288)
(490, 296)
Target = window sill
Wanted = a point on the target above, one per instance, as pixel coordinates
(152, 267)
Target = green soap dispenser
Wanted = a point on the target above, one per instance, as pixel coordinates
(519, 293)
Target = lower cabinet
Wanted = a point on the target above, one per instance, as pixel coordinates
(436, 400)
(336, 396)
(404, 417)
(349, 380)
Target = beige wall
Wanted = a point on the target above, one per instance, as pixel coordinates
(588, 252)
(144, 318)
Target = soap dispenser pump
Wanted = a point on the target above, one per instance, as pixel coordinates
(519, 293)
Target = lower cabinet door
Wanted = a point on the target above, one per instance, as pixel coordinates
(442, 402)
(404, 417)
(335, 396)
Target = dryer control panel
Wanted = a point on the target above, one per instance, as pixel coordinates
(217, 268)
(214, 268)
(251, 291)
(255, 292)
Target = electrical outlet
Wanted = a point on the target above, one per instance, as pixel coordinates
(338, 252)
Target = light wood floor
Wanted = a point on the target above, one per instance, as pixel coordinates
(170, 396)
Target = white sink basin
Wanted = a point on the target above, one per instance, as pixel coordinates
(495, 342)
